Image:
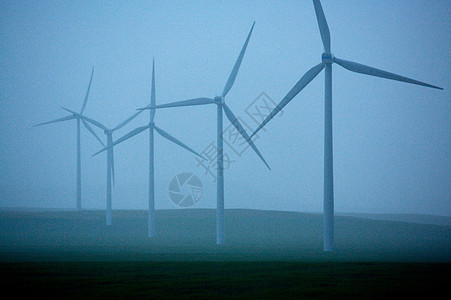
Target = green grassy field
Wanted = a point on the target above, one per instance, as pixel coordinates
(268, 254)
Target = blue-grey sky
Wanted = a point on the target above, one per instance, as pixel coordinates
(392, 140)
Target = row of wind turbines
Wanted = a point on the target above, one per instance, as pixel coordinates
(326, 63)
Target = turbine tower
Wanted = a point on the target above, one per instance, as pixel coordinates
(221, 106)
(110, 156)
(327, 60)
(151, 126)
(78, 118)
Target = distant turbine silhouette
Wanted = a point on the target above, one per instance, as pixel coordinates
(110, 156)
(151, 212)
(221, 105)
(327, 60)
(78, 118)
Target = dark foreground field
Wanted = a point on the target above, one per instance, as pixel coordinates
(210, 280)
(273, 254)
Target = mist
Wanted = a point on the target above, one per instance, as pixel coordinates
(392, 140)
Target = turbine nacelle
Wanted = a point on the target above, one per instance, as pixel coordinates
(327, 58)
(219, 100)
(75, 114)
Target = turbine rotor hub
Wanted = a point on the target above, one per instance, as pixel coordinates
(327, 58)
(152, 124)
(219, 100)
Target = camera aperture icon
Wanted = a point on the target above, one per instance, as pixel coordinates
(185, 189)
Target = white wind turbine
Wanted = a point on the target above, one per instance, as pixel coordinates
(151, 126)
(221, 105)
(110, 156)
(78, 118)
(327, 60)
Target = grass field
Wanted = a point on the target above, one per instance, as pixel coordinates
(253, 280)
(268, 254)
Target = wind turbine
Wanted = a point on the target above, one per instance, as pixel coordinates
(78, 118)
(221, 106)
(327, 60)
(151, 126)
(110, 156)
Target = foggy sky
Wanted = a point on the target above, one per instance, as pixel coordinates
(392, 140)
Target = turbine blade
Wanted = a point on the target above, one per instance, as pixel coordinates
(127, 120)
(152, 95)
(86, 124)
(176, 141)
(57, 120)
(237, 65)
(190, 102)
(302, 83)
(322, 23)
(87, 92)
(242, 131)
(93, 122)
(359, 68)
(125, 137)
